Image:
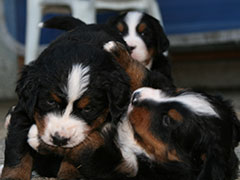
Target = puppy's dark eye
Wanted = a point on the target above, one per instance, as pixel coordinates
(87, 109)
(51, 103)
(166, 120)
(142, 33)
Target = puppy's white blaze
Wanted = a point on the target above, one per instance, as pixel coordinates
(194, 101)
(140, 53)
(33, 140)
(67, 126)
(128, 145)
(78, 81)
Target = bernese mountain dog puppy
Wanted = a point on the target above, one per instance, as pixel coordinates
(146, 39)
(72, 93)
(179, 135)
(164, 134)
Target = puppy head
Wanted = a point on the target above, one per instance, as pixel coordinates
(71, 96)
(143, 34)
(178, 126)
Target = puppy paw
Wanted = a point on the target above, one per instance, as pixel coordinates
(8, 117)
(1, 168)
(116, 48)
(33, 139)
(110, 46)
(119, 52)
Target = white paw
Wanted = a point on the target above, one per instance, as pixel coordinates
(109, 46)
(41, 25)
(8, 117)
(1, 168)
(7, 121)
(33, 139)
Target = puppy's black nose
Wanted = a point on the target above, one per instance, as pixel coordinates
(58, 140)
(135, 97)
(132, 47)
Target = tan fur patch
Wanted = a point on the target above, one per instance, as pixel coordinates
(142, 27)
(175, 115)
(120, 27)
(99, 121)
(68, 171)
(136, 73)
(92, 141)
(56, 98)
(135, 70)
(173, 156)
(83, 102)
(203, 157)
(40, 123)
(21, 171)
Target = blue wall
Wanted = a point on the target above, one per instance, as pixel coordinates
(184, 16)
(179, 16)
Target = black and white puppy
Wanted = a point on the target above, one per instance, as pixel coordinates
(70, 92)
(180, 135)
(146, 39)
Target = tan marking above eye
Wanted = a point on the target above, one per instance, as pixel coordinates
(82, 103)
(175, 115)
(142, 27)
(56, 98)
(203, 157)
(120, 27)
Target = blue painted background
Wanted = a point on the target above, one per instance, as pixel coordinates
(179, 16)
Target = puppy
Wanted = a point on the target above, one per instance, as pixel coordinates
(146, 39)
(71, 94)
(182, 135)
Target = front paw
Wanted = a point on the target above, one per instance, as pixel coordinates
(33, 139)
(115, 48)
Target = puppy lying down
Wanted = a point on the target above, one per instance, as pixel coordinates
(170, 135)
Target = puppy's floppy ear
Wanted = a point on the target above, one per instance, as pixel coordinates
(27, 90)
(118, 96)
(113, 20)
(162, 40)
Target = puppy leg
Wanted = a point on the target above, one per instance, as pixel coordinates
(138, 74)
(136, 71)
(18, 161)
